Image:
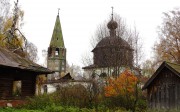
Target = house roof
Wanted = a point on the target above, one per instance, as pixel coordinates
(66, 77)
(175, 68)
(9, 59)
(90, 67)
(57, 36)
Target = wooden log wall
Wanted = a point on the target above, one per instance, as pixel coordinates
(28, 85)
(8, 76)
(165, 91)
(6, 83)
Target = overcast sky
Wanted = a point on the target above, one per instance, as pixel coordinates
(79, 19)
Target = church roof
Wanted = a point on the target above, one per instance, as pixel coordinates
(113, 42)
(57, 36)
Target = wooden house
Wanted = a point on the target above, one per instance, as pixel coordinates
(163, 88)
(15, 68)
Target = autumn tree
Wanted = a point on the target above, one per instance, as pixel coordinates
(168, 47)
(125, 85)
(10, 35)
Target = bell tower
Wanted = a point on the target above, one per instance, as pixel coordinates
(56, 60)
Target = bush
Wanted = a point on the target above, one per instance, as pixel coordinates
(141, 105)
(40, 102)
(120, 102)
(77, 98)
(76, 95)
(53, 108)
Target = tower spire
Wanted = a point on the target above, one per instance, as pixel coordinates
(57, 36)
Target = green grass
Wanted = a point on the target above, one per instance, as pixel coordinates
(59, 109)
(18, 110)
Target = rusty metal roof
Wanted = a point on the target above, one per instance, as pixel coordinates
(12, 60)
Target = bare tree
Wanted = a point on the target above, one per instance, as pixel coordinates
(148, 68)
(4, 10)
(31, 51)
(137, 45)
(102, 31)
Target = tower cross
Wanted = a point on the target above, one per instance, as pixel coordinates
(58, 10)
(112, 11)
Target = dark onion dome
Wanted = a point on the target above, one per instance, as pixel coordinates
(112, 24)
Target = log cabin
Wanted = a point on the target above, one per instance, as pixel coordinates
(16, 68)
(163, 88)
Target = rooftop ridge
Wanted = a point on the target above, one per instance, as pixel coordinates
(172, 63)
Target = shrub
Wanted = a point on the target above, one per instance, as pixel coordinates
(39, 102)
(76, 95)
(53, 108)
(141, 105)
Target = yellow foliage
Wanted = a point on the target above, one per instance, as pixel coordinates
(14, 42)
(7, 24)
(122, 85)
(39, 81)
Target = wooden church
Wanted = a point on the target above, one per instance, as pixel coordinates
(111, 53)
(163, 88)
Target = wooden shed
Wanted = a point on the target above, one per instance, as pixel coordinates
(15, 68)
(163, 88)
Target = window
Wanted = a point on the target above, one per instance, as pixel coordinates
(62, 62)
(57, 68)
(17, 88)
(56, 53)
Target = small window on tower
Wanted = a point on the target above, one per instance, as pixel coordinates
(56, 53)
(62, 62)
